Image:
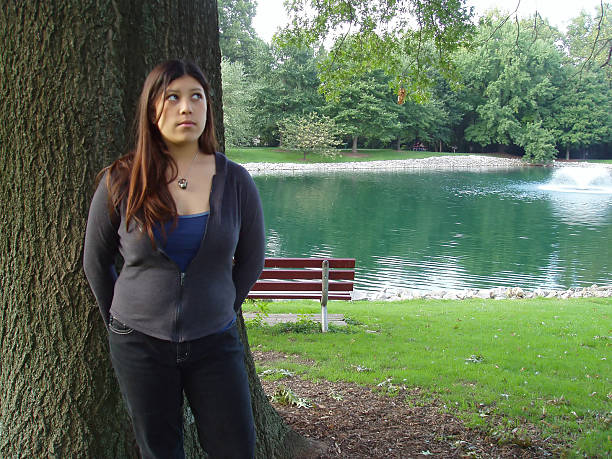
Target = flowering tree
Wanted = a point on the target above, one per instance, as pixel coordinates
(311, 133)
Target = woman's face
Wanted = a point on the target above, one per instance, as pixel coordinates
(182, 115)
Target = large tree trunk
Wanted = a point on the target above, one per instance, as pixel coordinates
(354, 149)
(567, 153)
(71, 71)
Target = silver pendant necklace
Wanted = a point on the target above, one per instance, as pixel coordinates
(182, 182)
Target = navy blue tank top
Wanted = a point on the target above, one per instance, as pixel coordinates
(182, 243)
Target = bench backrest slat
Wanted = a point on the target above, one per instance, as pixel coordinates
(301, 286)
(309, 262)
(305, 274)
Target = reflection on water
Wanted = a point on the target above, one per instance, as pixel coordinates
(582, 209)
(580, 195)
(434, 230)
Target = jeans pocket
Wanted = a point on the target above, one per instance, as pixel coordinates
(119, 327)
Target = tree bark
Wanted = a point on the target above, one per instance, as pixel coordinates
(354, 149)
(398, 145)
(71, 72)
(567, 153)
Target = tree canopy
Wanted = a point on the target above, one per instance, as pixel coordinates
(396, 36)
(237, 37)
(505, 85)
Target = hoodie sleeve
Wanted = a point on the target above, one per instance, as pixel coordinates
(250, 252)
(100, 250)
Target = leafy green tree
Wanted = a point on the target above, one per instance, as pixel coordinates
(365, 107)
(511, 81)
(237, 37)
(287, 85)
(584, 117)
(451, 113)
(437, 130)
(538, 142)
(380, 34)
(427, 122)
(238, 98)
(430, 119)
(311, 133)
(589, 40)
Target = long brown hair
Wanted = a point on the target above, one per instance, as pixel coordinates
(138, 179)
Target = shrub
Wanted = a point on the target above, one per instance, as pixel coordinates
(539, 143)
(311, 133)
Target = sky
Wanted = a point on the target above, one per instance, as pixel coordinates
(271, 14)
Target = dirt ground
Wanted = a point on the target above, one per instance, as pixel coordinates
(360, 422)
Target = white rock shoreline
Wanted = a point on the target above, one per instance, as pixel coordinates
(498, 293)
(470, 162)
(433, 163)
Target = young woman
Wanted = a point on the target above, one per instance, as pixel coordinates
(189, 225)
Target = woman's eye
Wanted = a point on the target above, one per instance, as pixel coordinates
(172, 97)
(197, 96)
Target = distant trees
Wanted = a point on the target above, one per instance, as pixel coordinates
(589, 40)
(365, 107)
(521, 87)
(238, 99)
(584, 116)
(237, 37)
(288, 85)
(513, 80)
(538, 142)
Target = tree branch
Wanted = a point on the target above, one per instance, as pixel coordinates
(501, 24)
(601, 17)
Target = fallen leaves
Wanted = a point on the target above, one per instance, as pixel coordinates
(475, 358)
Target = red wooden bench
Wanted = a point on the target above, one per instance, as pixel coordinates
(306, 278)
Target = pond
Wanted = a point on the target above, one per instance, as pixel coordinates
(444, 230)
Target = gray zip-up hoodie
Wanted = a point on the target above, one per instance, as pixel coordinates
(151, 294)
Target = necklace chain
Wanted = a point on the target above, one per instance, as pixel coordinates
(183, 182)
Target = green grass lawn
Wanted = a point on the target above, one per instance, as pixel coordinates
(278, 155)
(495, 363)
(605, 161)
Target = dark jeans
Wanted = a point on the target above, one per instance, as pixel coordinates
(153, 374)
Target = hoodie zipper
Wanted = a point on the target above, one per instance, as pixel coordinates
(177, 334)
(176, 328)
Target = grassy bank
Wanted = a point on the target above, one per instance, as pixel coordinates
(498, 364)
(278, 155)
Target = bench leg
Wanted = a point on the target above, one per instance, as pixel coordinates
(324, 291)
(323, 318)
